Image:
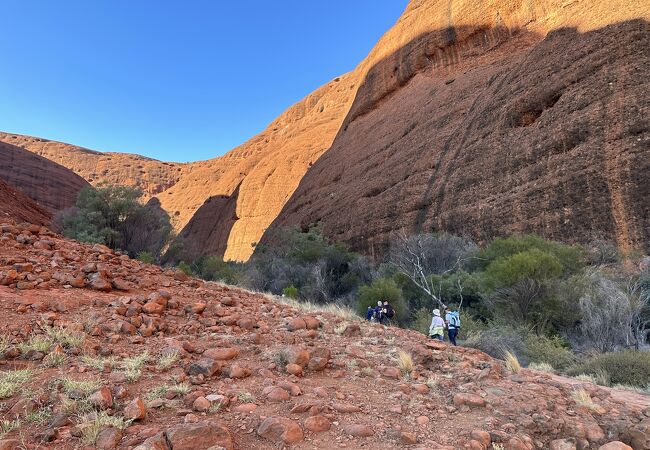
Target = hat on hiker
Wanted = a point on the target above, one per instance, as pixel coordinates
(436, 312)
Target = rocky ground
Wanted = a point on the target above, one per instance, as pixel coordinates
(101, 351)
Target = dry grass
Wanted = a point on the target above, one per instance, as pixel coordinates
(583, 399)
(405, 362)
(167, 360)
(341, 327)
(132, 367)
(55, 359)
(96, 421)
(312, 308)
(63, 337)
(432, 382)
(542, 367)
(512, 362)
(12, 381)
(246, 397)
(36, 342)
(4, 345)
(82, 387)
(7, 426)
(98, 362)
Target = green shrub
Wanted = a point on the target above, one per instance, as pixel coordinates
(213, 268)
(422, 320)
(629, 367)
(531, 264)
(496, 341)
(146, 257)
(550, 350)
(382, 289)
(470, 325)
(185, 268)
(290, 291)
(114, 216)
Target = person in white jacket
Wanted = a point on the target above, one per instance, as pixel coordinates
(437, 328)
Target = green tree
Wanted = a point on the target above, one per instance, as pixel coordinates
(114, 216)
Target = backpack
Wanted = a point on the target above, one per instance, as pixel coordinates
(390, 312)
(454, 320)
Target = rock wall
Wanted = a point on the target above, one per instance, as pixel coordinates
(51, 185)
(17, 206)
(490, 129)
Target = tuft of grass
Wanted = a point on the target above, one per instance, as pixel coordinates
(583, 399)
(132, 366)
(63, 337)
(40, 416)
(98, 363)
(167, 360)
(340, 328)
(215, 408)
(7, 426)
(157, 392)
(343, 312)
(498, 447)
(279, 357)
(638, 390)
(542, 367)
(432, 382)
(37, 343)
(4, 345)
(599, 377)
(181, 388)
(512, 362)
(11, 381)
(83, 387)
(367, 372)
(98, 420)
(405, 363)
(55, 359)
(246, 397)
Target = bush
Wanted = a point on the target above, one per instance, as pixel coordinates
(382, 289)
(422, 320)
(549, 350)
(290, 291)
(497, 341)
(213, 268)
(146, 257)
(114, 216)
(629, 367)
(185, 268)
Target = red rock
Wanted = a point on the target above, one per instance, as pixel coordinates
(358, 430)
(108, 438)
(201, 435)
(311, 323)
(294, 369)
(10, 444)
(280, 429)
(353, 329)
(206, 366)
(345, 408)
(221, 354)
(156, 442)
(277, 394)
(102, 398)
(245, 408)
(135, 410)
(483, 437)
(472, 400)
(297, 323)
(616, 445)
(237, 371)
(153, 308)
(563, 444)
(317, 424)
(201, 404)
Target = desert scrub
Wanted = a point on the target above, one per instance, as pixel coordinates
(7, 426)
(132, 367)
(405, 363)
(512, 362)
(542, 367)
(97, 362)
(583, 399)
(629, 367)
(40, 416)
(4, 345)
(79, 387)
(55, 359)
(246, 397)
(167, 360)
(64, 337)
(94, 422)
(11, 381)
(37, 343)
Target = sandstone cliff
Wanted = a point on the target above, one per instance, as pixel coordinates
(51, 185)
(148, 174)
(512, 117)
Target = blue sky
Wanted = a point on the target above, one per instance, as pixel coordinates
(173, 80)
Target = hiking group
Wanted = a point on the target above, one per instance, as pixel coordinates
(383, 313)
(451, 323)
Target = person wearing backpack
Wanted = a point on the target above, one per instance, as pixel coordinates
(388, 314)
(437, 328)
(453, 324)
(378, 314)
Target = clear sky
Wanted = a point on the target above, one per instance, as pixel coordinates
(175, 80)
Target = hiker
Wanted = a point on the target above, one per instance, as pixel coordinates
(453, 324)
(369, 313)
(377, 315)
(437, 328)
(388, 312)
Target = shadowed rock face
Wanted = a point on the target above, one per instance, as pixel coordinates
(17, 206)
(483, 118)
(51, 185)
